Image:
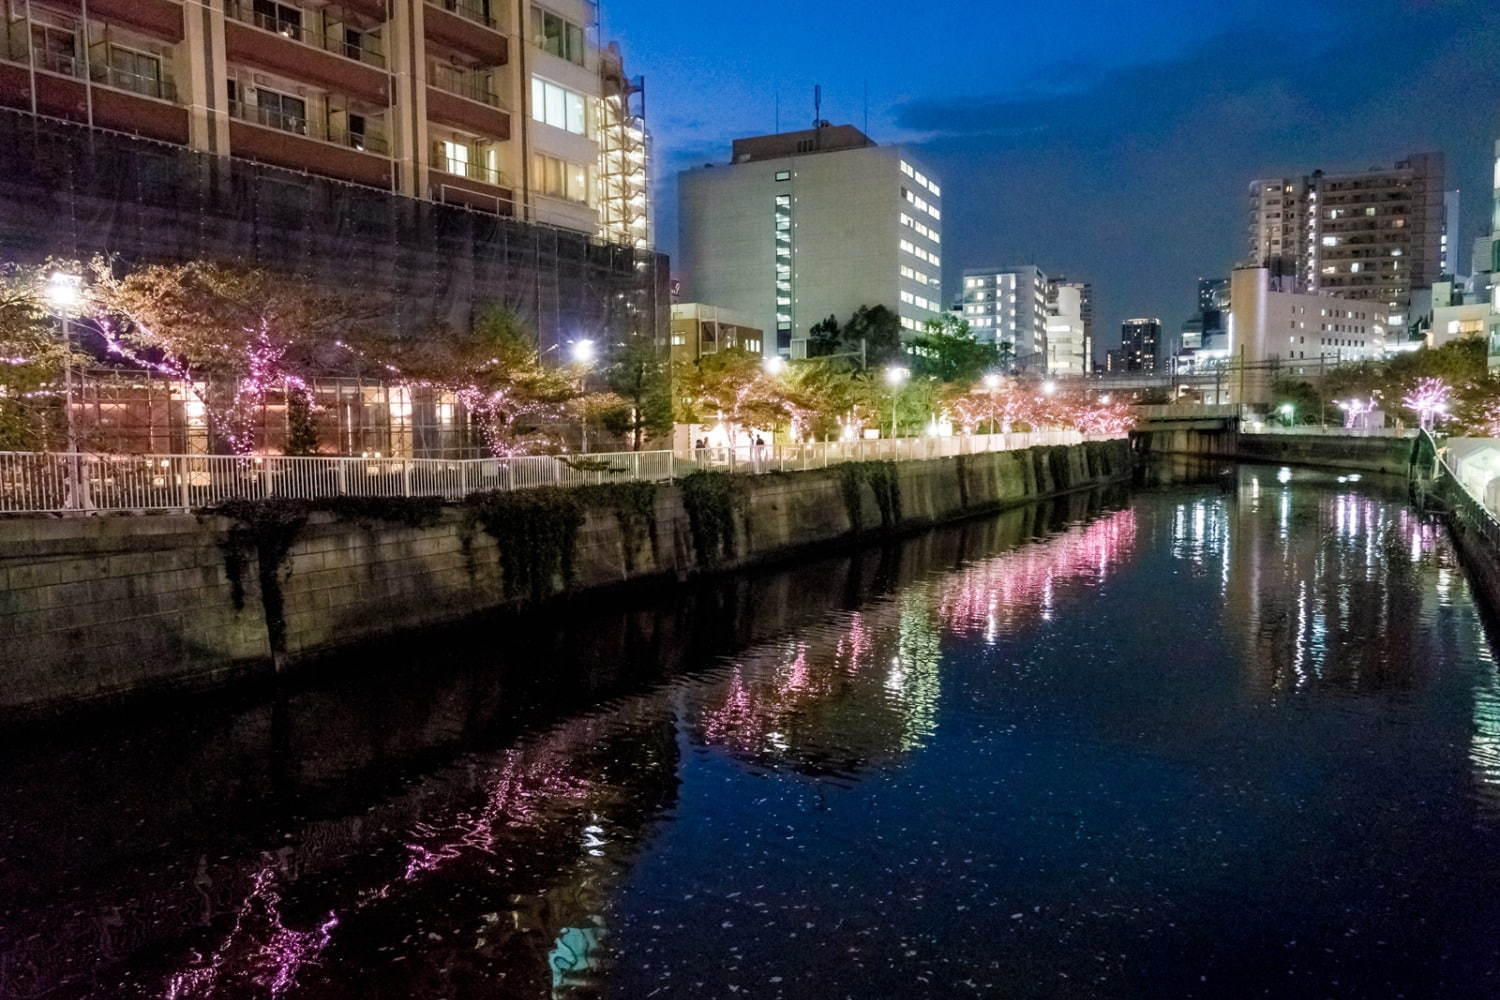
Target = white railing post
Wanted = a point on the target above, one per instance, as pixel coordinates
(179, 468)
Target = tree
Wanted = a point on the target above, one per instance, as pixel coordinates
(832, 401)
(880, 330)
(825, 337)
(230, 334)
(639, 375)
(32, 359)
(497, 372)
(947, 351)
(732, 387)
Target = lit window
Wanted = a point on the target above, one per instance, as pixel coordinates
(557, 106)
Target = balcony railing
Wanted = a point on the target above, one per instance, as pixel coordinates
(477, 11)
(467, 168)
(464, 83)
(145, 84)
(319, 36)
(366, 141)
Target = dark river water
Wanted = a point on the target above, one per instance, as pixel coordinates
(1228, 740)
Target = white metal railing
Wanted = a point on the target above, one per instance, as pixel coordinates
(1316, 430)
(47, 482)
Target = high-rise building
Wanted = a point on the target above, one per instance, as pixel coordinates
(800, 226)
(1140, 345)
(1009, 306)
(1373, 236)
(1069, 351)
(506, 108)
(453, 153)
(1452, 244)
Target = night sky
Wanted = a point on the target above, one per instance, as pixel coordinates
(1098, 138)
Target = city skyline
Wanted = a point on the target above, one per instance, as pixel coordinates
(1120, 150)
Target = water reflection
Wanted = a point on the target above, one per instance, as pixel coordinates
(1029, 756)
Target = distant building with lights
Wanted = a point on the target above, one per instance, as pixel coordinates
(1140, 346)
(1373, 236)
(1271, 319)
(699, 330)
(800, 226)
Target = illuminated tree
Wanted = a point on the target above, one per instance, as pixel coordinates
(733, 388)
(230, 334)
(32, 358)
(947, 351)
(640, 376)
(1431, 399)
(497, 372)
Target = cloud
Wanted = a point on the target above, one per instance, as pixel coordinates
(1136, 176)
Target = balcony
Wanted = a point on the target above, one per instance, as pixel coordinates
(468, 26)
(467, 101)
(476, 86)
(470, 185)
(363, 141)
(339, 39)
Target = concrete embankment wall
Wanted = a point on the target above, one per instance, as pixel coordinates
(94, 609)
(1376, 455)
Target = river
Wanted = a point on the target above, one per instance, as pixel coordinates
(1228, 739)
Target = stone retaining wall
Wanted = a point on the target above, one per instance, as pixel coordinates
(98, 608)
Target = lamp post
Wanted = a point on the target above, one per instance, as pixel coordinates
(992, 383)
(583, 354)
(895, 377)
(64, 294)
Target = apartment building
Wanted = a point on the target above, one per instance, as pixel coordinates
(506, 108)
(1373, 236)
(1010, 305)
(699, 330)
(800, 226)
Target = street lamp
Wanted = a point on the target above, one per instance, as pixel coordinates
(992, 382)
(1287, 410)
(775, 365)
(583, 354)
(895, 377)
(1049, 388)
(64, 294)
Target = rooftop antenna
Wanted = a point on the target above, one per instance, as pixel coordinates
(818, 106)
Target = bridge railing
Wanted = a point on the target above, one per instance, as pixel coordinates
(46, 482)
(1196, 411)
(1317, 430)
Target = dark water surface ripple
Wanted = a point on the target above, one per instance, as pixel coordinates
(1240, 740)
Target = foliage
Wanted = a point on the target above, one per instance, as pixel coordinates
(884, 481)
(536, 532)
(634, 507)
(267, 529)
(711, 499)
(301, 428)
(231, 333)
(824, 338)
(641, 377)
(880, 330)
(497, 371)
(947, 351)
(32, 358)
(731, 386)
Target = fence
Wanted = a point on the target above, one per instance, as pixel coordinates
(1316, 430)
(41, 482)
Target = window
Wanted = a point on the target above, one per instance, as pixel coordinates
(137, 71)
(557, 106)
(455, 157)
(278, 17)
(557, 35)
(560, 179)
(281, 111)
(783, 175)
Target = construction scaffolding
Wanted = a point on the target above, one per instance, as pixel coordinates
(624, 157)
(69, 191)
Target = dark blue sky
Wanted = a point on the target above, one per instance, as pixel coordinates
(1099, 138)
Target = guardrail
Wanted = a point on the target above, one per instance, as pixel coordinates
(1316, 430)
(45, 482)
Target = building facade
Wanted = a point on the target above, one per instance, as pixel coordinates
(1271, 319)
(699, 330)
(1069, 351)
(1373, 236)
(1011, 306)
(800, 226)
(509, 108)
(1140, 346)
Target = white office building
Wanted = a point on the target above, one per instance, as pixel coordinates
(1009, 306)
(1068, 347)
(1271, 321)
(805, 225)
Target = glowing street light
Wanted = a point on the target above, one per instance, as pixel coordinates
(1287, 410)
(583, 352)
(1049, 389)
(992, 382)
(64, 294)
(895, 377)
(775, 365)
